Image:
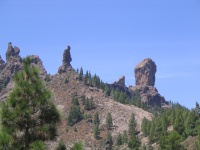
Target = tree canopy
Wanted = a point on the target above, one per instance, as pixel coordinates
(28, 116)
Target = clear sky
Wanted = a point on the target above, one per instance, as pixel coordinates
(110, 37)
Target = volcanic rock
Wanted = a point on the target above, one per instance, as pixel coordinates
(145, 80)
(12, 52)
(120, 81)
(2, 64)
(149, 95)
(66, 60)
(145, 72)
(13, 64)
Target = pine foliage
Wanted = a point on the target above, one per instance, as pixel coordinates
(28, 115)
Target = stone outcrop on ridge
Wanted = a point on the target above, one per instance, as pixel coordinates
(145, 72)
(66, 60)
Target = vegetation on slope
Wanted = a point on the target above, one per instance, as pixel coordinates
(182, 121)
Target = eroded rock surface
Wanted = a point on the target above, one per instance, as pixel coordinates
(66, 60)
(145, 72)
(2, 64)
(149, 95)
(120, 81)
(14, 63)
(145, 81)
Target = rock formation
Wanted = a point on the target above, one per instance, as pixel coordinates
(66, 60)
(145, 81)
(14, 64)
(149, 95)
(120, 81)
(12, 52)
(145, 72)
(2, 64)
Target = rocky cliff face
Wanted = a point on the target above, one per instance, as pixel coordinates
(66, 61)
(145, 72)
(145, 81)
(2, 64)
(14, 63)
(120, 81)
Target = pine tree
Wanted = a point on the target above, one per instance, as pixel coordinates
(134, 141)
(179, 123)
(96, 131)
(61, 146)
(198, 139)
(119, 139)
(124, 137)
(96, 118)
(75, 100)
(109, 141)
(81, 74)
(132, 125)
(145, 126)
(75, 115)
(86, 78)
(29, 110)
(173, 141)
(77, 146)
(109, 122)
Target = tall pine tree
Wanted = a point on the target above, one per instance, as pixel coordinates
(28, 115)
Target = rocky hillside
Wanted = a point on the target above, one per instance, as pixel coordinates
(66, 82)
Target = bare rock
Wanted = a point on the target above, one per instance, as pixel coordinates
(12, 52)
(149, 95)
(145, 81)
(120, 81)
(12, 65)
(2, 64)
(145, 72)
(67, 56)
(66, 60)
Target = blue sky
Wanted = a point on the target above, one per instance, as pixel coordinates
(110, 38)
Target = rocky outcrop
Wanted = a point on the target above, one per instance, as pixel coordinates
(149, 95)
(2, 64)
(120, 81)
(145, 72)
(13, 64)
(145, 81)
(66, 60)
(12, 52)
(36, 61)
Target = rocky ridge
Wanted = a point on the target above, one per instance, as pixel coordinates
(13, 65)
(145, 81)
(62, 97)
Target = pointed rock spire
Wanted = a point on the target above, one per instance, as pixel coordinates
(66, 60)
(12, 52)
